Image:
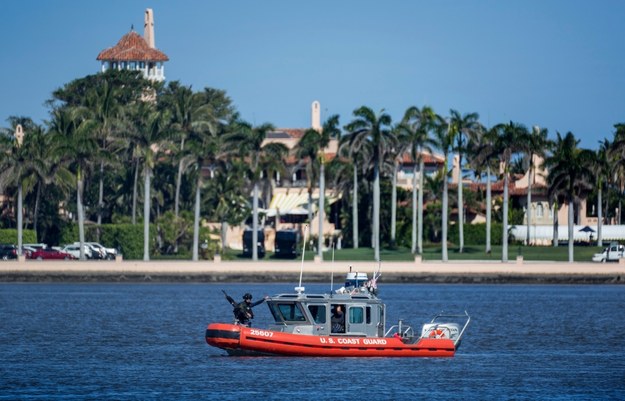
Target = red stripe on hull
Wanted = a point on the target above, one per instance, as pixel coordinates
(278, 343)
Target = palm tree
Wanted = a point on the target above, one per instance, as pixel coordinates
(507, 145)
(444, 141)
(415, 136)
(12, 165)
(76, 148)
(373, 130)
(535, 144)
(151, 136)
(483, 157)
(226, 199)
(569, 170)
(204, 131)
(602, 167)
(396, 155)
(311, 148)
(617, 152)
(249, 143)
(463, 129)
(102, 102)
(188, 117)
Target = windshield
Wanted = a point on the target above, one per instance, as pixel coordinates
(287, 312)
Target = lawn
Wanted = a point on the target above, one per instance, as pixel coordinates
(433, 253)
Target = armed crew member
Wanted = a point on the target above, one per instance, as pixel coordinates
(243, 313)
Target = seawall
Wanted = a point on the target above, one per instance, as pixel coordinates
(481, 272)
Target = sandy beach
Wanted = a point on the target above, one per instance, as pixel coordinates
(289, 271)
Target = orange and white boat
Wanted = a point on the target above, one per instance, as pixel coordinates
(308, 325)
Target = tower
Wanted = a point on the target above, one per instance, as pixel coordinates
(316, 116)
(148, 27)
(134, 52)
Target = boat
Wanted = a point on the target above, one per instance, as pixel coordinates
(308, 325)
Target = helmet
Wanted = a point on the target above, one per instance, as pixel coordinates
(247, 296)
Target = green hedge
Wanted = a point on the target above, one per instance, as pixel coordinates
(475, 234)
(9, 236)
(127, 238)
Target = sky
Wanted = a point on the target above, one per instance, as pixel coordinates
(556, 64)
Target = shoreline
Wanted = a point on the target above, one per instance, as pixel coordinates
(456, 272)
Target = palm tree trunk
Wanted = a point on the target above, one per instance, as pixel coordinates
(310, 213)
(322, 188)
(196, 219)
(100, 197)
(445, 257)
(394, 204)
(504, 236)
(376, 211)
(460, 206)
(413, 247)
(224, 235)
(178, 182)
(556, 238)
(488, 209)
(146, 215)
(135, 187)
(420, 209)
(255, 223)
(37, 202)
(529, 205)
(571, 229)
(599, 217)
(20, 209)
(81, 216)
(355, 208)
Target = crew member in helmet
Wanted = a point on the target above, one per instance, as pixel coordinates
(243, 313)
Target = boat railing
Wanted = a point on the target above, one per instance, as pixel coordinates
(454, 315)
(401, 329)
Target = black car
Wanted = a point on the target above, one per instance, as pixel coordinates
(247, 243)
(8, 252)
(286, 244)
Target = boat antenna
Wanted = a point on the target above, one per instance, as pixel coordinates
(332, 270)
(299, 289)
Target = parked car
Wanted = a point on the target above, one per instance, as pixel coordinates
(612, 253)
(49, 253)
(286, 243)
(8, 251)
(74, 250)
(28, 250)
(247, 243)
(107, 253)
(34, 246)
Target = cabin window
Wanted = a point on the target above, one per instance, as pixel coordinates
(289, 312)
(368, 310)
(356, 315)
(318, 313)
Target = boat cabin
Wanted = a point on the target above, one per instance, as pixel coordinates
(363, 314)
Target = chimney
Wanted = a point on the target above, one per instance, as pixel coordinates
(148, 27)
(316, 116)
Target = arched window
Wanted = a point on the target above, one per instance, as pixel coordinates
(540, 210)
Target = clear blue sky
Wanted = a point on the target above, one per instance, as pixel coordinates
(556, 64)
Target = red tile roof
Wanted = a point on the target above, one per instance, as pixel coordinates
(132, 47)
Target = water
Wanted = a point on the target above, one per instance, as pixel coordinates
(146, 341)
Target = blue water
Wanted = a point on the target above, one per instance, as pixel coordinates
(146, 341)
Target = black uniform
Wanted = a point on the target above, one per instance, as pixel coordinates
(242, 311)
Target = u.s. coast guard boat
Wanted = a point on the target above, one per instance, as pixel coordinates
(349, 322)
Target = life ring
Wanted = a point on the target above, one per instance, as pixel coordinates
(436, 333)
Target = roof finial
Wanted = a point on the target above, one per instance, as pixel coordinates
(132, 27)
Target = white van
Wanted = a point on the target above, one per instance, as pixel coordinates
(612, 253)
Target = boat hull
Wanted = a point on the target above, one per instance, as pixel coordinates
(241, 340)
